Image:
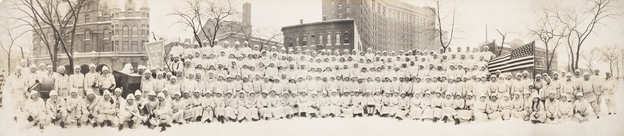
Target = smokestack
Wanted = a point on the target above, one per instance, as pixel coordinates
(300, 21)
(247, 18)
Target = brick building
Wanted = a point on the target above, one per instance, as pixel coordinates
(337, 34)
(108, 33)
(388, 25)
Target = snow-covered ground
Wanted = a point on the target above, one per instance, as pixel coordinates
(374, 126)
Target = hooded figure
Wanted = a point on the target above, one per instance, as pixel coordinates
(77, 81)
(106, 80)
(129, 113)
(61, 82)
(35, 110)
(56, 108)
(107, 110)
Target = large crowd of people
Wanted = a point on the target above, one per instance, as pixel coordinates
(241, 83)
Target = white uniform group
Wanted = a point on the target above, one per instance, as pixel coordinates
(239, 83)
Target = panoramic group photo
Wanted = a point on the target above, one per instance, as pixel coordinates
(311, 67)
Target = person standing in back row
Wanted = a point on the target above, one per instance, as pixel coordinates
(106, 81)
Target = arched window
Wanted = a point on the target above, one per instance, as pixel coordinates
(346, 38)
(329, 40)
(305, 40)
(321, 40)
(87, 35)
(312, 40)
(135, 30)
(125, 30)
(297, 40)
(338, 39)
(106, 33)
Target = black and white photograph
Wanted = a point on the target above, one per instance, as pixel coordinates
(311, 67)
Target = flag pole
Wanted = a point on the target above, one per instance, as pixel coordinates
(534, 65)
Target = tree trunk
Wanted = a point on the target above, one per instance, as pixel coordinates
(9, 62)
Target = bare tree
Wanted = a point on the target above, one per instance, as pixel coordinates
(208, 18)
(579, 23)
(445, 27)
(503, 36)
(10, 34)
(611, 55)
(591, 59)
(549, 33)
(262, 38)
(52, 22)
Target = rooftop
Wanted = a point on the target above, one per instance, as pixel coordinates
(320, 22)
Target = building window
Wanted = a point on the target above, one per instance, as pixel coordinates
(348, 10)
(290, 42)
(347, 2)
(87, 35)
(340, 6)
(86, 18)
(297, 40)
(321, 40)
(124, 46)
(329, 39)
(333, 12)
(332, 3)
(141, 45)
(87, 47)
(126, 31)
(338, 39)
(339, 15)
(105, 47)
(305, 40)
(106, 33)
(135, 46)
(135, 30)
(346, 38)
(312, 40)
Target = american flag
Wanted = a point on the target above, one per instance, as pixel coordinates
(519, 58)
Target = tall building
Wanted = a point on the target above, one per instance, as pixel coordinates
(109, 33)
(386, 25)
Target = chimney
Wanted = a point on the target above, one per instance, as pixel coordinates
(247, 17)
(300, 21)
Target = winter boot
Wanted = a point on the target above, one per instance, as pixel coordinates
(163, 127)
(198, 119)
(435, 119)
(41, 127)
(457, 121)
(63, 124)
(121, 127)
(131, 124)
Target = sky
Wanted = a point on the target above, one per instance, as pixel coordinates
(512, 16)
